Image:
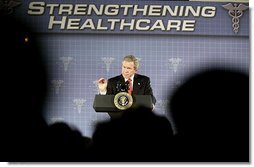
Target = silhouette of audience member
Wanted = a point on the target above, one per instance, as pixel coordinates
(67, 144)
(26, 137)
(211, 114)
(137, 136)
(24, 90)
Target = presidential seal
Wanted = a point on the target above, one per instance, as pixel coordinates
(123, 100)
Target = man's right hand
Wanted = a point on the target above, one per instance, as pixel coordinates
(102, 85)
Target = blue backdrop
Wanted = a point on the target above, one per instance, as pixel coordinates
(76, 59)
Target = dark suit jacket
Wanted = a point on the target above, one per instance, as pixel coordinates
(141, 85)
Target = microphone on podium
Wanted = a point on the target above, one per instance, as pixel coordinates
(122, 87)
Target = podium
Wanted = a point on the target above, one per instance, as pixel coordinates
(105, 103)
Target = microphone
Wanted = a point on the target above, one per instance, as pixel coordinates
(118, 87)
(126, 86)
(122, 87)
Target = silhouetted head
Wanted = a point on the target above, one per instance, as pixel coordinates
(211, 114)
(138, 135)
(211, 102)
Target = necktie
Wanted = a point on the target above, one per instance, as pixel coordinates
(130, 86)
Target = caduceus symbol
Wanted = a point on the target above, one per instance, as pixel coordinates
(79, 103)
(174, 63)
(7, 6)
(139, 60)
(235, 11)
(107, 61)
(66, 61)
(56, 85)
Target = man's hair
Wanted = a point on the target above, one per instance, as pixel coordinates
(131, 58)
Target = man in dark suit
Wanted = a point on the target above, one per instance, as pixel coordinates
(138, 84)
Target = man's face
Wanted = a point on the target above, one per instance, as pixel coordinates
(128, 69)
